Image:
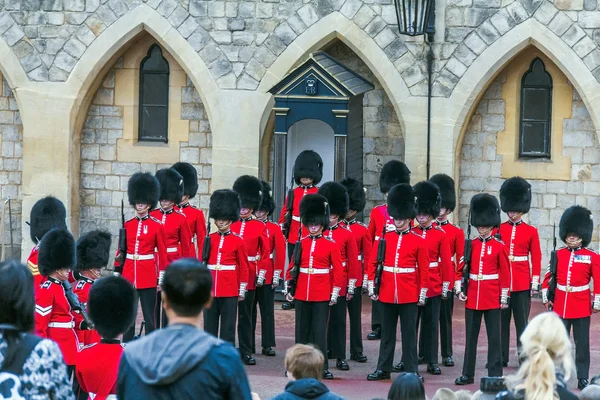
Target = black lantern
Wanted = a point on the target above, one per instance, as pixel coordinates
(416, 17)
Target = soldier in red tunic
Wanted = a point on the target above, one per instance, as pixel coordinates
(146, 249)
(487, 288)
(112, 309)
(53, 315)
(441, 271)
(393, 173)
(228, 263)
(456, 240)
(194, 216)
(175, 225)
(525, 257)
(315, 282)
(577, 266)
(307, 173)
(356, 194)
(47, 213)
(93, 250)
(403, 279)
(337, 198)
(265, 294)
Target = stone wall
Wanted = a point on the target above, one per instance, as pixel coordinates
(480, 166)
(11, 165)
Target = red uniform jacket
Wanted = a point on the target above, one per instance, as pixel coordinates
(363, 246)
(277, 257)
(177, 234)
(98, 367)
(228, 263)
(342, 236)
(456, 240)
(197, 223)
(255, 235)
(32, 264)
(441, 270)
(82, 290)
(299, 193)
(523, 246)
(54, 320)
(142, 264)
(406, 267)
(576, 268)
(378, 219)
(489, 277)
(320, 266)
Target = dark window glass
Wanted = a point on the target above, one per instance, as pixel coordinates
(536, 112)
(154, 97)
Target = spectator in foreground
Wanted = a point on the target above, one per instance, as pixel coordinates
(592, 392)
(43, 374)
(547, 362)
(304, 366)
(595, 380)
(463, 395)
(407, 386)
(445, 394)
(182, 361)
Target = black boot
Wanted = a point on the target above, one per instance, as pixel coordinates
(268, 351)
(375, 335)
(448, 362)
(327, 374)
(433, 369)
(464, 380)
(379, 375)
(287, 305)
(582, 383)
(398, 367)
(358, 357)
(342, 365)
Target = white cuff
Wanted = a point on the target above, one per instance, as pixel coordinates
(276, 276)
(365, 281)
(445, 287)
(285, 287)
(457, 286)
(423, 295)
(351, 285)
(504, 296)
(597, 302)
(535, 283)
(161, 276)
(335, 294)
(243, 289)
(261, 276)
(371, 287)
(544, 296)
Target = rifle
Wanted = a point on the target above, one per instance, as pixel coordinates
(467, 268)
(289, 206)
(553, 269)
(381, 247)
(122, 243)
(297, 260)
(76, 304)
(206, 246)
(141, 329)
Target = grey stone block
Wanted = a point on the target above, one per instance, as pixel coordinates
(245, 82)
(178, 16)
(457, 35)
(74, 5)
(274, 44)
(584, 46)
(473, 17)
(592, 60)
(590, 5)
(228, 81)
(119, 8)
(488, 33)
(396, 49)
(560, 23)
(285, 33)
(364, 16)
(247, 9)
(197, 40)
(456, 67)
(198, 8)
(216, 9)
(475, 43)
(589, 19)
(531, 5)
(255, 69)
(30, 62)
(221, 37)
(236, 24)
(465, 55)
(573, 35)
(166, 7)
(517, 12)
(264, 10)
(85, 35)
(243, 38)
(308, 15)
(188, 27)
(75, 48)
(220, 67)
(64, 61)
(13, 34)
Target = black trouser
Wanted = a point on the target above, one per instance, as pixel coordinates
(375, 314)
(429, 316)
(408, 325)
(147, 298)
(581, 337)
(311, 325)
(244, 327)
(492, 327)
(75, 386)
(225, 310)
(519, 306)
(160, 316)
(354, 313)
(336, 331)
(446, 311)
(265, 297)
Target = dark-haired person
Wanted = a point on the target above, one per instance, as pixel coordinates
(407, 386)
(182, 361)
(42, 372)
(112, 309)
(194, 216)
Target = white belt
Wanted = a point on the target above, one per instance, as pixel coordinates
(520, 258)
(172, 249)
(109, 397)
(140, 256)
(572, 288)
(67, 325)
(399, 270)
(314, 271)
(253, 258)
(217, 267)
(296, 218)
(482, 277)
(433, 264)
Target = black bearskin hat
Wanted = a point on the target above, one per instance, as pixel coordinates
(393, 173)
(337, 197)
(225, 205)
(93, 250)
(112, 306)
(47, 213)
(401, 202)
(190, 178)
(267, 204)
(485, 210)
(314, 209)
(515, 195)
(447, 190)
(250, 190)
(356, 194)
(143, 188)
(57, 251)
(577, 220)
(308, 164)
(429, 200)
(171, 185)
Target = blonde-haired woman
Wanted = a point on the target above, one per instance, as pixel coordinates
(547, 362)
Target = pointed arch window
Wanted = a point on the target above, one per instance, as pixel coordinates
(154, 97)
(536, 112)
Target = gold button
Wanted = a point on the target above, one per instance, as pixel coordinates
(136, 257)
(310, 270)
(480, 277)
(397, 270)
(217, 267)
(511, 258)
(569, 288)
